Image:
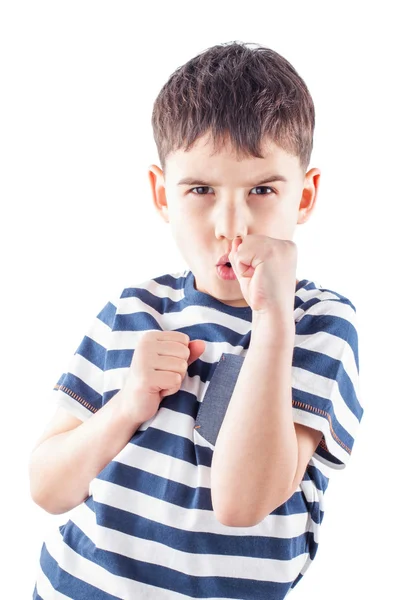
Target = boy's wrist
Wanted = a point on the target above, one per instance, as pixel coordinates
(274, 326)
(123, 408)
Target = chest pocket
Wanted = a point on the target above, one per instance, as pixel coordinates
(217, 397)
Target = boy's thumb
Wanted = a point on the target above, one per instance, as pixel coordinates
(196, 348)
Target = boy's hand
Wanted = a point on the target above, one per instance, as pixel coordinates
(158, 366)
(266, 270)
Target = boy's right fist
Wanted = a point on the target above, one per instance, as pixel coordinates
(158, 366)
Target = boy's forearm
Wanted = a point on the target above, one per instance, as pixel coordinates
(256, 453)
(62, 467)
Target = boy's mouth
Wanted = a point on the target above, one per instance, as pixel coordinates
(224, 260)
(225, 271)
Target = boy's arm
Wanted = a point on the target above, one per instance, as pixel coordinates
(260, 455)
(62, 466)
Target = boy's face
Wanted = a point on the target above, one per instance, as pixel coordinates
(225, 198)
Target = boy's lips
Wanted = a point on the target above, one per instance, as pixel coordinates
(226, 273)
(223, 260)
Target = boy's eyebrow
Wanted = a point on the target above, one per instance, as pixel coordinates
(266, 179)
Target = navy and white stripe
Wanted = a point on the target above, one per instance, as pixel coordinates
(147, 530)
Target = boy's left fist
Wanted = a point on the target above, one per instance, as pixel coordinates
(266, 270)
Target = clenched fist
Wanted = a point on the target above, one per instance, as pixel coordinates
(158, 366)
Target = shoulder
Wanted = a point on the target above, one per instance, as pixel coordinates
(313, 299)
(154, 293)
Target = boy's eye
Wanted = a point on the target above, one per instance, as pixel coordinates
(200, 188)
(207, 187)
(262, 187)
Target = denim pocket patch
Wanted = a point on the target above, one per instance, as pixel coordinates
(217, 397)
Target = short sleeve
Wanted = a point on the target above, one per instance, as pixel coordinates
(80, 389)
(325, 376)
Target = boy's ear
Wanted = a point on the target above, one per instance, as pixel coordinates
(157, 185)
(309, 196)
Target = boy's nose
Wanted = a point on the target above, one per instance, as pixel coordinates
(232, 218)
(231, 223)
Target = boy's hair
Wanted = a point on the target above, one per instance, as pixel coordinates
(234, 91)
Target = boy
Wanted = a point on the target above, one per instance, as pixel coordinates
(201, 415)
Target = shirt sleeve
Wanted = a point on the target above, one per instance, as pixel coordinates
(80, 389)
(325, 376)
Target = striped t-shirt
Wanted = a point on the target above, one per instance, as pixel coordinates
(147, 529)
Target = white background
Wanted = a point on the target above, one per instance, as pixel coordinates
(78, 81)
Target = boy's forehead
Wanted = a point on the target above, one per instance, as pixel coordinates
(205, 158)
(207, 146)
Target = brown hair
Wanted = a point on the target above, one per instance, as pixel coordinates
(235, 91)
